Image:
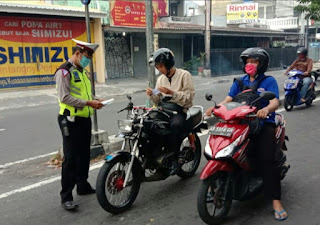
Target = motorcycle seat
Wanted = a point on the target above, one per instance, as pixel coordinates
(194, 114)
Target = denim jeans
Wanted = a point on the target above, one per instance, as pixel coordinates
(305, 85)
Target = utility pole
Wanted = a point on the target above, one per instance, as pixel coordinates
(149, 39)
(207, 33)
(95, 118)
(302, 29)
(307, 32)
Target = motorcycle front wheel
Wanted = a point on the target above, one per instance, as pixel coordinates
(191, 158)
(111, 194)
(288, 102)
(214, 201)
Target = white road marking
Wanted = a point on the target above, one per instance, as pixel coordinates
(26, 160)
(42, 183)
(2, 130)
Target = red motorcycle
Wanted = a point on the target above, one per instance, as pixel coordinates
(229, 172)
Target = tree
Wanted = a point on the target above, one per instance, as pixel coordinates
(311, 8)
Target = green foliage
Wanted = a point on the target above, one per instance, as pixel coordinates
(192, 64)
(310, 7)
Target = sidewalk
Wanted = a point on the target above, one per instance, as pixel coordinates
(31, 97)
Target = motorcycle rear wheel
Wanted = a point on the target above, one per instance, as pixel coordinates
(288, 102)
(211, 192)
(189, 168)
(109, 186)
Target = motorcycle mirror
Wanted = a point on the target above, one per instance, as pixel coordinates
(129, 97)
(209, 97)
(268, 95)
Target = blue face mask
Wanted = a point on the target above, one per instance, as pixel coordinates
(84, 61)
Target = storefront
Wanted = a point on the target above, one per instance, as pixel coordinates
(34, 44)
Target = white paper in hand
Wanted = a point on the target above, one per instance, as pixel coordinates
(155, 91)
(107, 102)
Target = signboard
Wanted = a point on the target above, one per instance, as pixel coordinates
(31, 49)
(130, 13)
(315, 44)
(163, 7)
(242, 13)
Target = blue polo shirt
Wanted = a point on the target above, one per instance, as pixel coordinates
(268, 84)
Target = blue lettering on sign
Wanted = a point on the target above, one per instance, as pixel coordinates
(24, 81)
(55, 56)
(16, 54)
(33, 54)
(3, 57)
(37, 54)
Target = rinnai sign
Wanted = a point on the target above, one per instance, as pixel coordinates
(32, 48)
(242, 13)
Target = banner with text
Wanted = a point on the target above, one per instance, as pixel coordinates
(131, 13)
(242, 13)
(31, 49)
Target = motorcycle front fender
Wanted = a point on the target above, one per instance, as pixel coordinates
(214, 166)
(125, 155)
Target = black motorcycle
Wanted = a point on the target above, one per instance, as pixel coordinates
(148, 156)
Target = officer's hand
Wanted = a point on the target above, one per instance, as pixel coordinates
(165, 90)
(263, 113)
(95, 104)
(209, 112)
(149, 91)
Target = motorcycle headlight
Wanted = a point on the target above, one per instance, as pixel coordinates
(207, 149)
(125, 125)
(227, 151)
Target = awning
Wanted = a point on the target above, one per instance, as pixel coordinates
(45, 9)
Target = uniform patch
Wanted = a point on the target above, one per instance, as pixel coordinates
(65, 72)
(261, 89)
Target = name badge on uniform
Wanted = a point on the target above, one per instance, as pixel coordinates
(76, 76)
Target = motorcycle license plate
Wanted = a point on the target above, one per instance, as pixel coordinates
(221, 131)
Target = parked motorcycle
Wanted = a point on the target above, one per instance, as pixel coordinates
(145, 133)
(292, 87)
(229, 172)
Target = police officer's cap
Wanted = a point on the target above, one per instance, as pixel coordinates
(89, 47)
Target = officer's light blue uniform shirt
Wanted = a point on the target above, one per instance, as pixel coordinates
(268, 84)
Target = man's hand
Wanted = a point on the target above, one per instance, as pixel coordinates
(165, 90)
(94, 104)
(263, 113)
(285, 73)
(149, 91)
(209, 112)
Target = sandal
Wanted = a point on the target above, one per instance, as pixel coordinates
(280, 218)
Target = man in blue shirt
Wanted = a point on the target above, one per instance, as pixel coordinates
(255, 63)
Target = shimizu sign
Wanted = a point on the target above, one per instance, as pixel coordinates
(242, 13)
(31, 49)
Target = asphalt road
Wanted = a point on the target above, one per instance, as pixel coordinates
(33, 131)
(29, 192)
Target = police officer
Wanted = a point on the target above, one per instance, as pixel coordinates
(76, 107)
